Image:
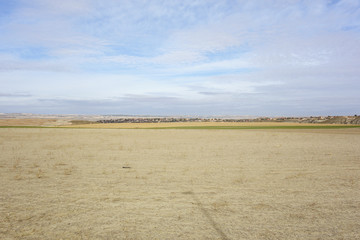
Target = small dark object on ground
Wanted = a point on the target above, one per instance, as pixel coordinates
(126, 167)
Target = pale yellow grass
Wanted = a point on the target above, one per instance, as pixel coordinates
(26, 122)
(179, 184)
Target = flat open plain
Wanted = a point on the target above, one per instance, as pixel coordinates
(60, 183)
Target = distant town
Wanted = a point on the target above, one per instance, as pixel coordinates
(320, 119)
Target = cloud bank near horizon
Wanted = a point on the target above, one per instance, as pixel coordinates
(241, 57)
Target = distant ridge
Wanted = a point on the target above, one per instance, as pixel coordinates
(343, 120)
(118, 118)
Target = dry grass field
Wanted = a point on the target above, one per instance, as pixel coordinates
(59, 183)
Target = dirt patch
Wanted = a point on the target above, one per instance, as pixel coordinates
(37, 122)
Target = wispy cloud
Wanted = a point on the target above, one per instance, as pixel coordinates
(15, 95)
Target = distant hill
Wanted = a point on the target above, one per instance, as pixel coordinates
(343, 120)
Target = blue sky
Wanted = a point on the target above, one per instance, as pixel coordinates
(198, 57)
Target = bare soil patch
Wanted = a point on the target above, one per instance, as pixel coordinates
(34, 122)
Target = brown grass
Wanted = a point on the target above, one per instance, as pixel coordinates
(179, 184)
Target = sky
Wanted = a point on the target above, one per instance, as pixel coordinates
(180, 57)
